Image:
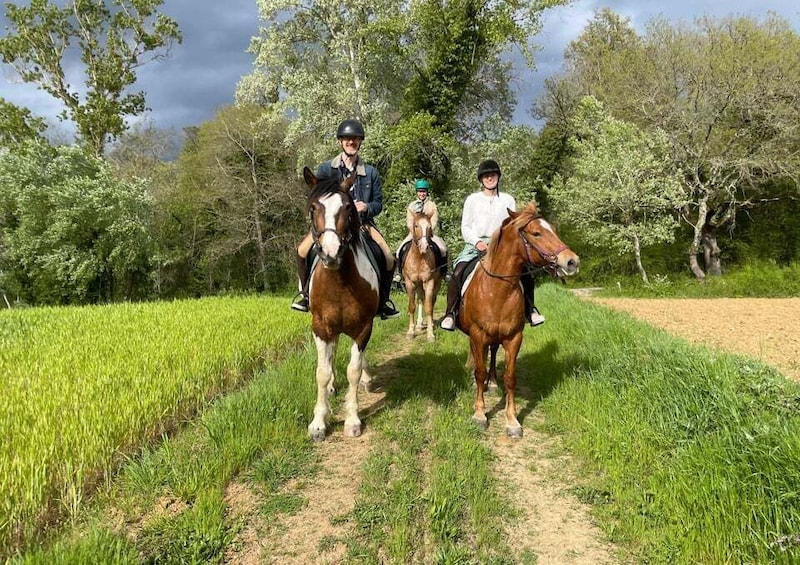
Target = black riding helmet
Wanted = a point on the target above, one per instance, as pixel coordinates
(350, 128)
(489, 166)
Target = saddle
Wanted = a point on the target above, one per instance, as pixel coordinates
(440, 258)
(374, 254)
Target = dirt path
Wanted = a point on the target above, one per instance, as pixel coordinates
(552, 523)
(553, 526)
(763, 328)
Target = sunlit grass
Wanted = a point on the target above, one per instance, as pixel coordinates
(691, 455)
(84, 385)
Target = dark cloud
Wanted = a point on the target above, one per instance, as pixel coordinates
(201, 74)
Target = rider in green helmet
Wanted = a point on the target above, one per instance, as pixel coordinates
(422, 204)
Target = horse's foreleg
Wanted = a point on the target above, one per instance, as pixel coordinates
(492, 375)
(366, 378)
(352, 424)
(479, 355)
(325, 355)
(412, 307)
(511, 347)
(429, 300)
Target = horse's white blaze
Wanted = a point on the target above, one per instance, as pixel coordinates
(329, 242)
(424, 227)
(546, 225)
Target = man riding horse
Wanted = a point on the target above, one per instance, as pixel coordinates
(368, 197)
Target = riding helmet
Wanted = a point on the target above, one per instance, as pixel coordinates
(350, 128)
(488, 166)
(422, 184)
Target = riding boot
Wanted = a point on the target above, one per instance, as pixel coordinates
(301, 303)
(401, 256)
(386, 309)
(453, 298)
(532, 314)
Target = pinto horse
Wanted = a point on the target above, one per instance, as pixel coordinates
(421, 276)
(492, 312)
(343, 297)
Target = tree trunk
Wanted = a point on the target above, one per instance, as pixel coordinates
(697, 239)
(637, 252)
(711, 254)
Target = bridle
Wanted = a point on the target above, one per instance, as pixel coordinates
(344, 240)
(550, 258)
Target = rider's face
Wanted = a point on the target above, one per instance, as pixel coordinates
(350, 145)
(490, 180)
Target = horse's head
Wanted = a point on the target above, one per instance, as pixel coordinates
(334, 219)
(422, 231)
(542, 246)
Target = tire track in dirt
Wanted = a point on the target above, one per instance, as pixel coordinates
(537, 475)
(312, 534)
(534, 473)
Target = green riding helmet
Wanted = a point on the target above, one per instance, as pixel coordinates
(422, 184)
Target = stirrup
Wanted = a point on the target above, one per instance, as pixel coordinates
(448, 323)
(389, 311)
(300, 305)
(535, 318)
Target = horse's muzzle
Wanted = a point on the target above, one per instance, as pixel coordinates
(567, 264)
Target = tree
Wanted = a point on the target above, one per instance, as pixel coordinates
(113, 41)
(725, 94)
(18, 125)
(623, 192)
(69, 231)
(235, 212)
(368, 59)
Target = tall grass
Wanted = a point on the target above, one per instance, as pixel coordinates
(691, 455)
(84, 385)
(754, 279)
(697, 452)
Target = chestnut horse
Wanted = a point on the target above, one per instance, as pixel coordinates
(421, 277)
(492, 311)
(343, 296)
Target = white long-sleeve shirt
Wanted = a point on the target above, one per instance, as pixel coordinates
(483, 214)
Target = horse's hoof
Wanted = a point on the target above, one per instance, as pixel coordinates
(317, 436)
(431, 339)
(483, 425)
(410, 335)
(364, 387)
(514, 433)
(353, 431)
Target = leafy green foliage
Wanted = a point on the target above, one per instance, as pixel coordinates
(71, 232)
(112, 43)
(18, 125)
(623, 191)
(718, 90)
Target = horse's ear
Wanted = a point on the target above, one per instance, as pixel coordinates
(512, 213)
(348, 182)
(309, 177)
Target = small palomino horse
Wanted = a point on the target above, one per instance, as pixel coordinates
(421, 276)
(492, 311)
(343, 297)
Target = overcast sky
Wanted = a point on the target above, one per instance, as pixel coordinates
(202, 72)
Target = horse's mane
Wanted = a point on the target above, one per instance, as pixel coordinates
(330, 185)
(524, 217)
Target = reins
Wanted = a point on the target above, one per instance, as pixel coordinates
(550, 258)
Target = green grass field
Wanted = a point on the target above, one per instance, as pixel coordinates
(688, 455)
